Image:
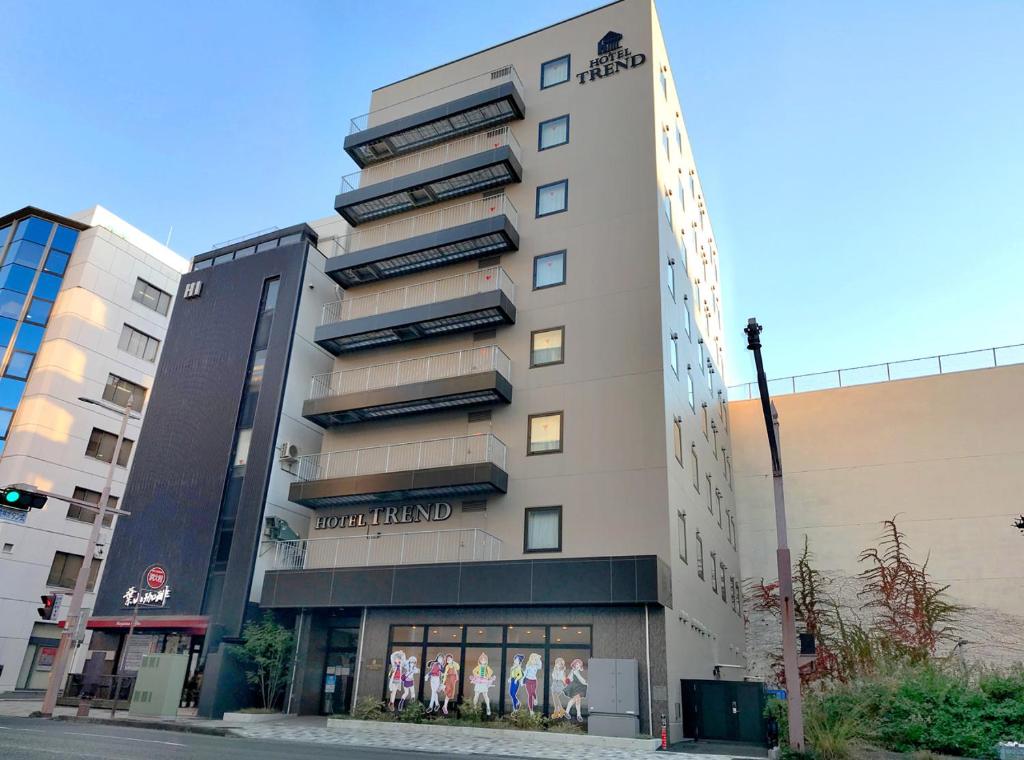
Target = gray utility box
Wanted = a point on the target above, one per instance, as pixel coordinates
(613, 694)
(158, 685)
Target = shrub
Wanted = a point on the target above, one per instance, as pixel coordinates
(265, 653)
(558, 726)
(469, 714)
(524, 721)
(829, 733)
(369, 708)
(413, 712)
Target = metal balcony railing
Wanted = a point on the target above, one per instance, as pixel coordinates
(402, 457)
(436, 97)
(941, 364)
(421, 369)
(412, 548)
(433, 291)
(435, 156)
(421, 224)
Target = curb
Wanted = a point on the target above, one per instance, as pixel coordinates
(181, 728)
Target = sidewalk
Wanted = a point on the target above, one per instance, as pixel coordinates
(315, 730)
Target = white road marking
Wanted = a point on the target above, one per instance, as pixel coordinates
(102, 736)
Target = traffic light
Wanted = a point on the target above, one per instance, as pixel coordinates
(21, 497)
(49, 602)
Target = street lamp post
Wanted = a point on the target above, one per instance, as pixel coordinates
(790, 663)
(72, 625)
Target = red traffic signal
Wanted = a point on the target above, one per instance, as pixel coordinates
(49, 603)
(21, 498)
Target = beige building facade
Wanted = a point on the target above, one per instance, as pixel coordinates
(941, 453)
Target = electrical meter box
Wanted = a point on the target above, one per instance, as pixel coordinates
(613, 694)
(158, 685)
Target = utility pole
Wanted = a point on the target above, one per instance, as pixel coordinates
(790, 663)
(71, 626)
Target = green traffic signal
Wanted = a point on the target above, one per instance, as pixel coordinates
(21, 498)
(12, 496)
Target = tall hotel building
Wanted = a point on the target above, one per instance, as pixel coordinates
(479, 413)
(84, 305)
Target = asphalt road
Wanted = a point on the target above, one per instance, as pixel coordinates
(35, 739)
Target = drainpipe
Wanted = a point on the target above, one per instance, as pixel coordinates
(359, 663)
(295, 659)
(647, 641)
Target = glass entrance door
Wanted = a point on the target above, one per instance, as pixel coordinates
(339, 670)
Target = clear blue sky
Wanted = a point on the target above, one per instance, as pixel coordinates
(863, 162)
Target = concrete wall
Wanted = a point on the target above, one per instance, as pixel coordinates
(942, 453)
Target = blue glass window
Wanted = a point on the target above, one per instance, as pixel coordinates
(6, 330)
(35, 229)
(56, 262)
(65, 239)
(29, 337)
(17, 278)
(10, 392)
(38, 311)
(25, 252)
(19, 365)
(47, 287)
(10, 303)
(5, 232)
(5, 421)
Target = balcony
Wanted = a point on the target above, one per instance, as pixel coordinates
(480, 102)
(469, 301)
(443, 467)
(473, 164)
(482, 227)
(365, 550)
(473, 377)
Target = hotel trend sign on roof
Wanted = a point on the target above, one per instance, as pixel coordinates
(611, 59)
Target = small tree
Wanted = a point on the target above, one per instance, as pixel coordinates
(266, 652)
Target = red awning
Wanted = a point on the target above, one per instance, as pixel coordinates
(192, 625)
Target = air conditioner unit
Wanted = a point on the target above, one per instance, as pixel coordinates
(99, 552)
(289, 452)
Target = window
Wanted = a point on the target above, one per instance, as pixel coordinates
(666, 144)
(694, 462)
(725, 465)
(553, 198)
(65, 568)
(681, 535)
(714, 572)
(137, 343)
(679, 145)
(673, 354)
(664, 84)
(682, 195)
(667, 206)
(151, 297)
(553, 132)
(700, 556)
(670, 276)
(723, 568)
(123, 392)
(544, 433)
(101, 446)
(718, 498)
(711, 506)
(714, 444)
(543, 530)
(554, 72)
(242, 447)
(546, 346)
(689, 389)
(728, 520)
(686, 319)
(701, 350)
(76, 512)
(677, 431)
(549, 270)
(704, 418)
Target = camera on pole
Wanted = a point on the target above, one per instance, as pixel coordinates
(21, 497)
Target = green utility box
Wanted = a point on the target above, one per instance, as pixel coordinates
(158, 685)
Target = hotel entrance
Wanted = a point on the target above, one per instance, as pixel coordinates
(339, 670)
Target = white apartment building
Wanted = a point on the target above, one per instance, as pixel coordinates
(84, 306)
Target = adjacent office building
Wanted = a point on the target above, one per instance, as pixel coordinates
(84, 305)
(477, 415)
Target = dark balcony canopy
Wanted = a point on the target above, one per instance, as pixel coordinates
(644, 579)
(477, 390)
(487, 170)
(472, 312)
(435, 482)
(463, 242)
(472, 113)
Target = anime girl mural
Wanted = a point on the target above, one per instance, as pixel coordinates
(576, 690)
(515, 679)
(434, 672)
(534, 664)
(559, 680)
(409, 671)
(450, 681)
(395, 676)
(482, 679)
